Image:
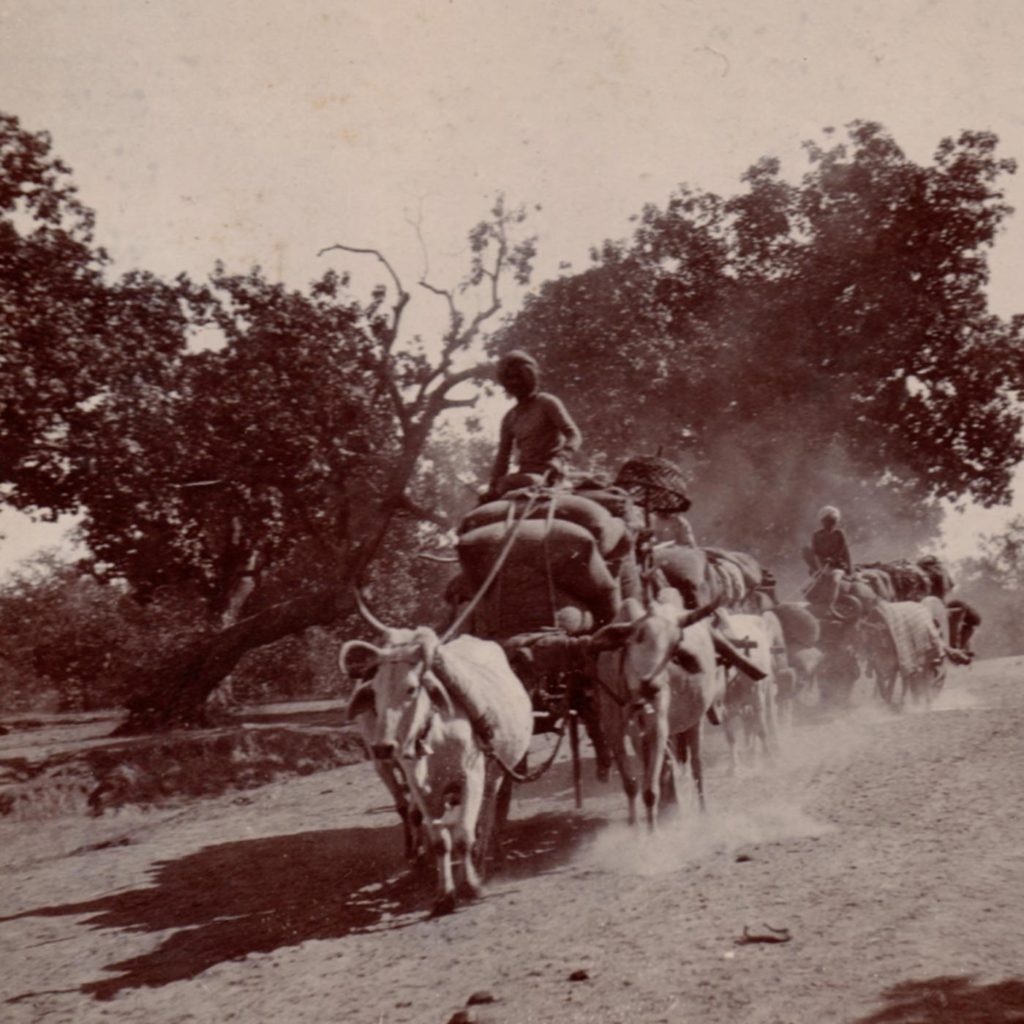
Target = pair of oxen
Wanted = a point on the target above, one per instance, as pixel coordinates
(903, 644)
(449, 721)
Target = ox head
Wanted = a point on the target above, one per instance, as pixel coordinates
(396, 688)
(649, 645)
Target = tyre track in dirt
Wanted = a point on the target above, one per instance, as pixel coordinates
(889, 846)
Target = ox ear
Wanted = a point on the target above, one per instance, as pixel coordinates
(438, 694)
(362, 702)
(611, 637)
(358, 659)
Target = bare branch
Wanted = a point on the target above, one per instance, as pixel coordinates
(385, 371)
(437, 400)
(406, 504)
(368, 252)
(417, 226)
(461, 403)
(403, 296)
(454, 316)
(494, 275)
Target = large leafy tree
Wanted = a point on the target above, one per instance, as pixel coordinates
(244, 453)
(264, 474)
(796, 343)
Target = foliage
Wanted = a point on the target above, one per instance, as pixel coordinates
(70, 636)
(259, 476)
(245, 454)
(75, 643)
(801, 343)
(993, 582)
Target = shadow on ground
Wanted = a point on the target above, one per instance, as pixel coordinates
(227, 901)
(951, 1000)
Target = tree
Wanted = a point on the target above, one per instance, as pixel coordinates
(264, 475)
(801, 343)
(993, 582)
(74, 641)
(414, 390)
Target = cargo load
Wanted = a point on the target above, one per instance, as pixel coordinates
(567, 561)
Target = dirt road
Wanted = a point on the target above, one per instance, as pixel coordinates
(889, 847)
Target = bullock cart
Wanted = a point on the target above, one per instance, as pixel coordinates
(889, 621)
(542, 569)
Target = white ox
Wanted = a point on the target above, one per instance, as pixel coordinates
(444, 715)
(753, 702)
(365, 718)
(657, 680)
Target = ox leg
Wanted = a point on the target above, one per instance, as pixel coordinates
(614, 728)
(692, 738)
(419, 839)
(393, 779)
(439, 838)
(730, 738)
(759, 731)
(654, 743)
(441, 844)
(472, 812)
(502, 805)
(630, 784)
(769, 733)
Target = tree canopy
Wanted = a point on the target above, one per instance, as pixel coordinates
(828, 340)
(255, 447)
(256, 450)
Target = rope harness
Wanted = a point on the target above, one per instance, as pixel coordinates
(494, 570)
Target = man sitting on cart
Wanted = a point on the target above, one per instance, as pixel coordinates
(538, 428)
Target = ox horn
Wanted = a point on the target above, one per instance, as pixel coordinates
(690, 617)
(364, 610)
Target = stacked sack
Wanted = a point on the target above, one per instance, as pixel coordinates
(709, 575)
(569, 565)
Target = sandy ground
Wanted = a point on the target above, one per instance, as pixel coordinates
(891, 847)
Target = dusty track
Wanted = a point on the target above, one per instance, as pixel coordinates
(890, 847)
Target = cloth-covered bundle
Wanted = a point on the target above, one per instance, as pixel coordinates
(938, 576)
(909, 581)
(799, 626)
(568, 565)
(915, 636)
(878, 580)
(703, 575)
(547, 653)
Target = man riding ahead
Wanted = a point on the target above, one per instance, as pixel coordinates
(829, 555)
(538, 428)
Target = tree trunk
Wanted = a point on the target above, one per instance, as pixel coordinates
(175, 694)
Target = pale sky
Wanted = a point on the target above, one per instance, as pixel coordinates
(254, 132)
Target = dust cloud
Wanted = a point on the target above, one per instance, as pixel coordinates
(689, 838)
(759, 490)
(763, 802)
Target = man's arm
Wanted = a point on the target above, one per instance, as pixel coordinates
(564, 423)
(844, 553)
(501, 460)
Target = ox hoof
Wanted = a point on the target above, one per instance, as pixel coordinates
(443, 905)
(471, 890)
